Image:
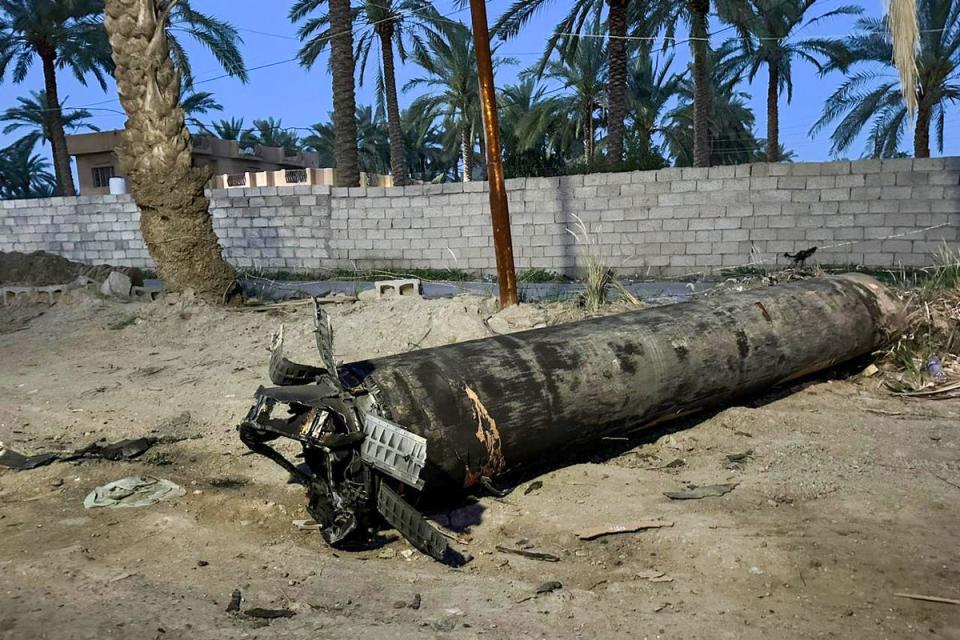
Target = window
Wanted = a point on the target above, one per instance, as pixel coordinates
(295, 175)
(101, 176)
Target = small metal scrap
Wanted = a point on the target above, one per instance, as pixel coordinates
(526, 553)
(706, 491)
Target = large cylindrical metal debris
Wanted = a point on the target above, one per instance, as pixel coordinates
(496, 405)
(450, 417)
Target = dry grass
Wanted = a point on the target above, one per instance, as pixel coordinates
(597, 275)
(933, 315)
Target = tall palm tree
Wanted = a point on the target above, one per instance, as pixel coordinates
(730, 120)
(451, 72)
(23, 174)
(175, 219)
(270, 133)
(61, 33)
(32, 114)
(867, 96)
(695, 14)
(335, 25)
(766, 38)
(401, 24)
(624, 19)
(583, 72)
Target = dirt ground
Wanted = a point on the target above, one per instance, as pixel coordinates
(848, 496)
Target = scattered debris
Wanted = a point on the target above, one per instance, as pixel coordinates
(413, 603)
(235, 598)
(740, 457)
(917, 596)
(649, 574)
(694, 492)
(269, 614)
(549, 587)
(676, 463)
(306, 525)
(661, 579)
(121, 450)
(870, 371)
(533, 486)
(592, 533)
(935, 369)
(134, 491)
(14, 460)
(526, 553)
(934, 391)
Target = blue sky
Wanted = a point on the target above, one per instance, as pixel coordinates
(300, 97)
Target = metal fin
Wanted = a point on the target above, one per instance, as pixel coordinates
(284, 372)
(394, 450)
(412, 526)
(324, 330)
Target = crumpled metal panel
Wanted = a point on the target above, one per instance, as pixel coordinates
(394, 450)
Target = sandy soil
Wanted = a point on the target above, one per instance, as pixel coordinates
(849, 496)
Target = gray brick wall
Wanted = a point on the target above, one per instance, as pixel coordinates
(669, 222)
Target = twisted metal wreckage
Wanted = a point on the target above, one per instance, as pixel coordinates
(378, 435)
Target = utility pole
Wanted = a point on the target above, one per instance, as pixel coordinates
(500, 214)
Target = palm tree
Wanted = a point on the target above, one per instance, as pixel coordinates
(175, 219)
(730, 119)
(867, 96)
(639, 17)
(218, 36)
(198, 103)
(766, 29)
(23, 174)
(427, 159)
(695, 13)
(533, 130)
(651, 86)
(401, 24)
(32, 114)
(64, 33)
(451, 70)
(231, 129)
(335, 26)
(373, 142)
(583, 71)
(270, 133)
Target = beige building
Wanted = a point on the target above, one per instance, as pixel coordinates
(232, 162)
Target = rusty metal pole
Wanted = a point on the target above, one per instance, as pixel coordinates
(500, 214)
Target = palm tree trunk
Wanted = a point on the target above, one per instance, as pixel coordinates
(54, 117)
(466, 150)
(617, 81)
(398, 160)
(773, 114)
(344, 99)
(921, 134)
(156, 155)
(702, 97)
(588, 138)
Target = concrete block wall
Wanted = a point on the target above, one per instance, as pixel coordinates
(671, 222)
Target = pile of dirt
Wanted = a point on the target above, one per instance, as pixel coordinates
(40, 268)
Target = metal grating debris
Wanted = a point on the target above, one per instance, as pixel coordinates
(394, 450)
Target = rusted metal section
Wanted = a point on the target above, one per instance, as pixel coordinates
(488, 409)
(499, 212)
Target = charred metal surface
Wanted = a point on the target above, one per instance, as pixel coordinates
(491, 407)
